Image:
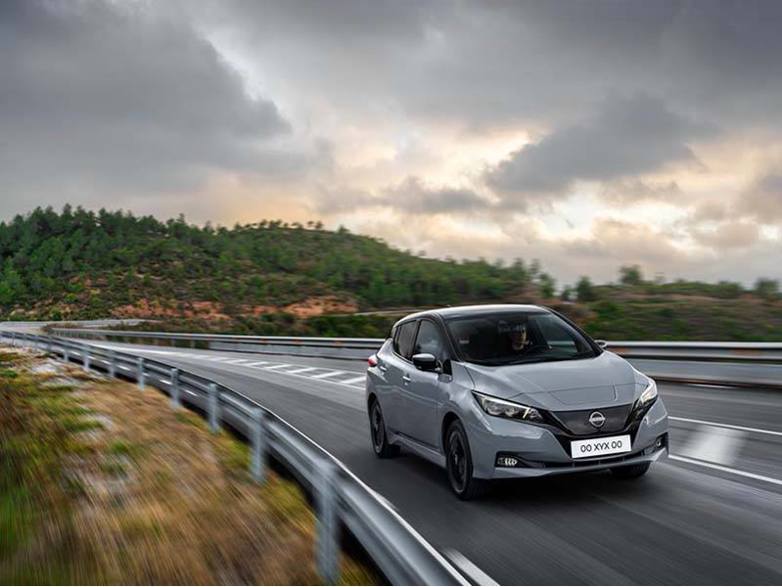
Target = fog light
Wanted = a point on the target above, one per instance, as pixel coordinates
(507, 461)
(658, 444)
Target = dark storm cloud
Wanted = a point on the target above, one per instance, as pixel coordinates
(411, 196)
(492, 62)
(629, 136)
(554, 67)
(112, 98)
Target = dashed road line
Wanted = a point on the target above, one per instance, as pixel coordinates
(354, 380)
(278, 366)
(726, 469)
(731, 426)
(328, 374)
(302, 370)
(714, 444)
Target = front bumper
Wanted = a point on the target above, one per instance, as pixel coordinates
(542, 451)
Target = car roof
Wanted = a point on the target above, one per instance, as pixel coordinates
(476, 310)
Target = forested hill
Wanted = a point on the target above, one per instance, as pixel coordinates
(81, 264)
(276, 278)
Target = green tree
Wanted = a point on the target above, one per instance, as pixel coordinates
(585, 291)
(630, 275)
(768, 289)
(548, 285)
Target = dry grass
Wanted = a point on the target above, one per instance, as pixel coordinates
(105, 484)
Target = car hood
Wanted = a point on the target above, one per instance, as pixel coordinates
(601, 381)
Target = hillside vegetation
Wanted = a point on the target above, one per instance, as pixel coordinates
(277, 278)
(102, 484)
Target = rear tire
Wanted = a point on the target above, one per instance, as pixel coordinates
(378, 434)
(458, 462)
(630, 471)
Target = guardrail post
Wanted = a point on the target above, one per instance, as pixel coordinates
(258, 445)
(13, 338)
(112, 364)
(49, 343)
(175, 403)
(327, 525)
(140, 375)
(66, 356)
(214, 408)
(85, 353)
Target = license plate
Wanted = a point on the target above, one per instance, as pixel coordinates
(595, 447)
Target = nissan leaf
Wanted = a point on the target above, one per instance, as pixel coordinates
(510, 391)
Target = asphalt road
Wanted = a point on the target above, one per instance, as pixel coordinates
(711, 514)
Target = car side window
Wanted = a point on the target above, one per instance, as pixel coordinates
(430, 340)
(403, 341)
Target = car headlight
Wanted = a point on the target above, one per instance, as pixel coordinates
(505, 409)
(648, 395)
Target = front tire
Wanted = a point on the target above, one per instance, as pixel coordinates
(630, 471)
(377, 429)
(458, 459)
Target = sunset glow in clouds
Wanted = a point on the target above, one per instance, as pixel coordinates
(584, 134)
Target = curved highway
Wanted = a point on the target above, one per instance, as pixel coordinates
(711, 514)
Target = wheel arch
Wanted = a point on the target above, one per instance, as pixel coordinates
(371, 399)
(449, 418)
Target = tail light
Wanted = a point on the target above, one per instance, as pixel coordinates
(372, 360)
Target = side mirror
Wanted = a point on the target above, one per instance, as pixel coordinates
(426, 362)
(602, 343)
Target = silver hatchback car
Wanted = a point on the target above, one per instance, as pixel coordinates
(509, 391)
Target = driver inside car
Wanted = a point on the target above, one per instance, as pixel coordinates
(519, 340)
(514, 339)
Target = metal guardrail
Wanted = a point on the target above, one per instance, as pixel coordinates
(740, 364)
(401, 554)
(342, 348)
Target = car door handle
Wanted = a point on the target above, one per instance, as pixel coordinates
(383, 368)
(406, 379)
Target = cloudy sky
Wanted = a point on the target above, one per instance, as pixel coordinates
(584, 134)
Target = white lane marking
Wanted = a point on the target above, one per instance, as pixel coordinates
(328, 374)
(714, 444)
(726, 469)
(236, 361)
(721, 425)
(294, 372)
(469, 568)
(354, 380)
(302, 370)
(280, 366)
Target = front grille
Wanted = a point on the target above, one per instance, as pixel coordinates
(577, 422)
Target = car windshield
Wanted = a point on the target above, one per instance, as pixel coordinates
(509, 338)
